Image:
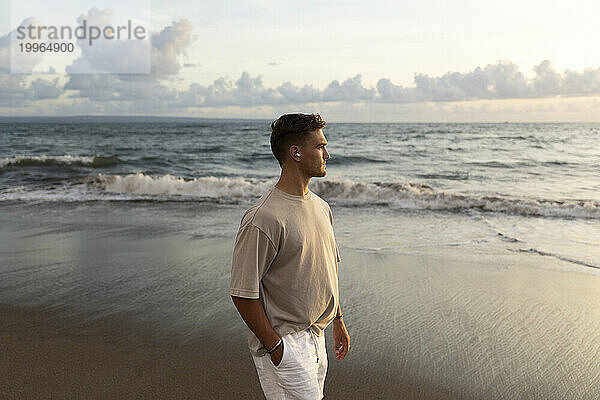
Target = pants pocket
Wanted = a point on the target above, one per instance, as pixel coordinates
(286, 349)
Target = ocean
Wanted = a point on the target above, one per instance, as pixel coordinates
(546, 170)
(454, 228)
(522, 180)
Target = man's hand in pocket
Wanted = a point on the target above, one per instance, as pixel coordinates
(277, 355)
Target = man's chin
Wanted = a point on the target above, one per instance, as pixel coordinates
(319, 173)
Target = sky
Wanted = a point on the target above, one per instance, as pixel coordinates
(376, 61)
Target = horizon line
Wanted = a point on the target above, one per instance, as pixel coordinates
(217, 119)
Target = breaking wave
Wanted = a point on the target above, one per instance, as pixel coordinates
(66, 160)
(204, 187)
(345, 193)
(421, 196)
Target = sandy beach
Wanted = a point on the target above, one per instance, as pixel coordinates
(457, 330)
(46, 357)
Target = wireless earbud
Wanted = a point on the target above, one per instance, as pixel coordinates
(297, 154)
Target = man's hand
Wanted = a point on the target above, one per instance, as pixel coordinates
(277, 355)
(341, 339)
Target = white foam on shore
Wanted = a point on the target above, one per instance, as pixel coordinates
(339, 192)
(210, 186)
(41, 160)
(558, 256)
(424, 197)
(54, 161)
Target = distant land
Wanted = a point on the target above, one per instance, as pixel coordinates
(120, 119)
(124, 119)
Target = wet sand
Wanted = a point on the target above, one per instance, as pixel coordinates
(44, 357)
(467, 333)
(108, 303)
(449, 330)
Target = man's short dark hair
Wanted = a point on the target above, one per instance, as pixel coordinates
(292, 129)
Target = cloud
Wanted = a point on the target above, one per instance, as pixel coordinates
(21, 61)
(18, 90)
(581, 83)
(167, 46)
(153, 92)
(160, 52)
(350, 90)
(222, 92)
(502, 80)
(246, 91)
(43, 89)
(299, 95)
(547, 81)
(126, 92)
(114, 56)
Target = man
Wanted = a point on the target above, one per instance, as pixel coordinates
(284, 279)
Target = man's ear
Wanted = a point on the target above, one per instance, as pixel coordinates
(295, 152)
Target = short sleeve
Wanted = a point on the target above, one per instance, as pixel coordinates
(253, 254)
(337, 250)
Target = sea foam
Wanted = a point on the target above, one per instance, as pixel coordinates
(68, 160)
(350, 193)
(343, 193)
(204, 187)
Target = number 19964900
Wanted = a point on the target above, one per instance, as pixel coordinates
(46, 47)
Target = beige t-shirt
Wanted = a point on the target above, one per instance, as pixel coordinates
(285, 255)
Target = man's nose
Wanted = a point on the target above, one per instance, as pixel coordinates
(326, 154)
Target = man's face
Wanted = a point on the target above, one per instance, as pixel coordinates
(314, 154)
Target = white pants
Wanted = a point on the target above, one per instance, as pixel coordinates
(300, 374)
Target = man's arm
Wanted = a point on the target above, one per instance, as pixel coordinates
(340, 336)
(340, 333)
(254, 316)
(339, 311)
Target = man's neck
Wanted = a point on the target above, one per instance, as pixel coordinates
(293, 183)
